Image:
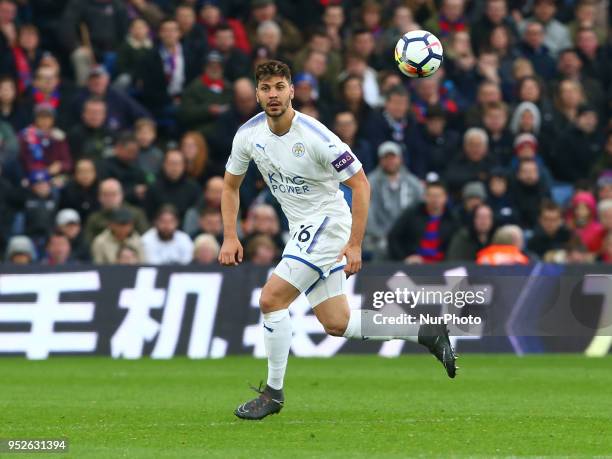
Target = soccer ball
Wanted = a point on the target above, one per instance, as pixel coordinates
(418, 54)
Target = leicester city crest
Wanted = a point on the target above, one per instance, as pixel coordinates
(298, 150)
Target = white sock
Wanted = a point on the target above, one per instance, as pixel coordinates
(353, 330)
(277, 338)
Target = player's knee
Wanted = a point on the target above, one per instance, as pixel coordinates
(335, 326)
(267, 303)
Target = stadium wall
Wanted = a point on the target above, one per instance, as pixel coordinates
(167, 311)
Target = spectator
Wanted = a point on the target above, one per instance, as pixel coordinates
(40, 207)
(110, 197)
(581, 218)
(210, 199)
(474, 237)
(209, 222)
(120, 231)
(306, 95)
(173, 186)
(439, 144)
(235, 61)
(533, 48)
(501, 41)
(555, 35)
(334, 23)
(550, 234)
(128, 255)
(528, 190)
(47, 89)
(449, 20)
(91, 138)
(11, 111)
(121, 110)
(606, 249)
(393, 189)
(149, 155)
(401, 23)
(205, 250)
(20, 251)
(9, 146)
(212, 18)
(146, 9)
(585, 17)
(320, 42)
(81, 192)
(421, 234)
(26, 56)
(123, 166)
(351, 99)
(495, 121)
(58, 250)
(135, 48)
(266, 10)
(495, 16)
(474, 164)
(363, 44)
(488, 93)
(68, 223)
(261, 250)
(355, 65)
(195, 150)
(604, 185)
(11, 202)
(262, 219)
(345, 127)
(568, 99)
(206, 97)
(499, 198)
(604, 213)
(569, 67)
(526, 147)
(605, 160)
(505, 249)
(43, 146)
(531, 90)
(526, 118)
(473, 195)
(193, 35)
(165, 243)
(594, 58)
(576, 253)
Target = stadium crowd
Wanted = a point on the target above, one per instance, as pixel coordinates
(117, 118)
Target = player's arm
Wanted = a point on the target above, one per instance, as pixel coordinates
(360, 187)
(231, 250)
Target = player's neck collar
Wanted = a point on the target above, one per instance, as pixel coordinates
(293, 120)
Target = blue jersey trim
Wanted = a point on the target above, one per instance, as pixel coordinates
(317, 234)
(313, 128)
(309, 289)
(306, 262)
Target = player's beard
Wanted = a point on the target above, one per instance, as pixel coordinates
(283, 108)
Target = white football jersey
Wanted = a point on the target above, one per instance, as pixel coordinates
(302, 168)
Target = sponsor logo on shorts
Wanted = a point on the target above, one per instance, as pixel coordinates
(343, 161)
(298, 150)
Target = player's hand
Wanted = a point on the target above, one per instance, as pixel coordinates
(353, 258)
(231, 252)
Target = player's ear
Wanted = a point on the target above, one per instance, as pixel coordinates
(292, 91)
(257, 95)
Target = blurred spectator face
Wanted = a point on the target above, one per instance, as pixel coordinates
(303, 92)
(427, 88)
(20, 259)
(98, 84)
(500, 40)
(353, 91)
(345, 126)
(570, 94)
(58, 249)
(316, 64)
(46, 80)
(211, 223)
(529, 91)
(397, 105)
(528, 173)
(522, 68)
(270, 36)
(371, 16)
(452, 9)
(265, 220)
(333, 16)
(44, 121)
(244, 96)
(435, 200)
(496, 11)
(582, 214)
(534, 35)
(42, 189)
(94, 114)
(489, 93)
(169, 33)
(544, 10)
(174, 165)
(606, 249)
(389, 81)
(435, 125)
(495, 119)
(475, 148)
(264, 13)
(363, 44)
(185, 18)
(356, 65)
(224, 39)
(578, 256)
(214, 70)
(311, 110)
(48, 60)
(527, 121)
(71, 230)
(8, 12)
(320, 43)
(498, 186)
(213, 191)
(210, 15)
(390, 163)
(587, 122)
(403, 19)
(127, 152)
(85, 173)
(28, 38)
(604, 192)
(110, 194)
(145, 135)
(550, 220)
(569, 64)
(488, 61)
(206, 253)
(526, 150)
(166, 225)
(189, 148)
(127, 256)
(121, 231)
(483, 219)
(586, 14)
(139, 30)
(461, 43)
(8, 92)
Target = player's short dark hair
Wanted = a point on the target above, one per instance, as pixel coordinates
(272, 68)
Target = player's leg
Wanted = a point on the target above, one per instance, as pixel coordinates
(331, 307)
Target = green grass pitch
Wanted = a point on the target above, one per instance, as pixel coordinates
(343, 407)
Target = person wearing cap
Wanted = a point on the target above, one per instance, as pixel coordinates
(120, 231)
(578, 148)
(266, 10)
(473, 236)
(207, 97)
(473, 194)
(43, 146)
(68, 223)
(20, 251)
(40, 207)
(212, 17)
(393, 189)
(526, 147)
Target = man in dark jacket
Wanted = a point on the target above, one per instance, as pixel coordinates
(528, 190)
(91, 138)
(172, 187)
(422, 233)
(551, 233)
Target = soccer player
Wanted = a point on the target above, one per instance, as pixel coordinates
(303, 164)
